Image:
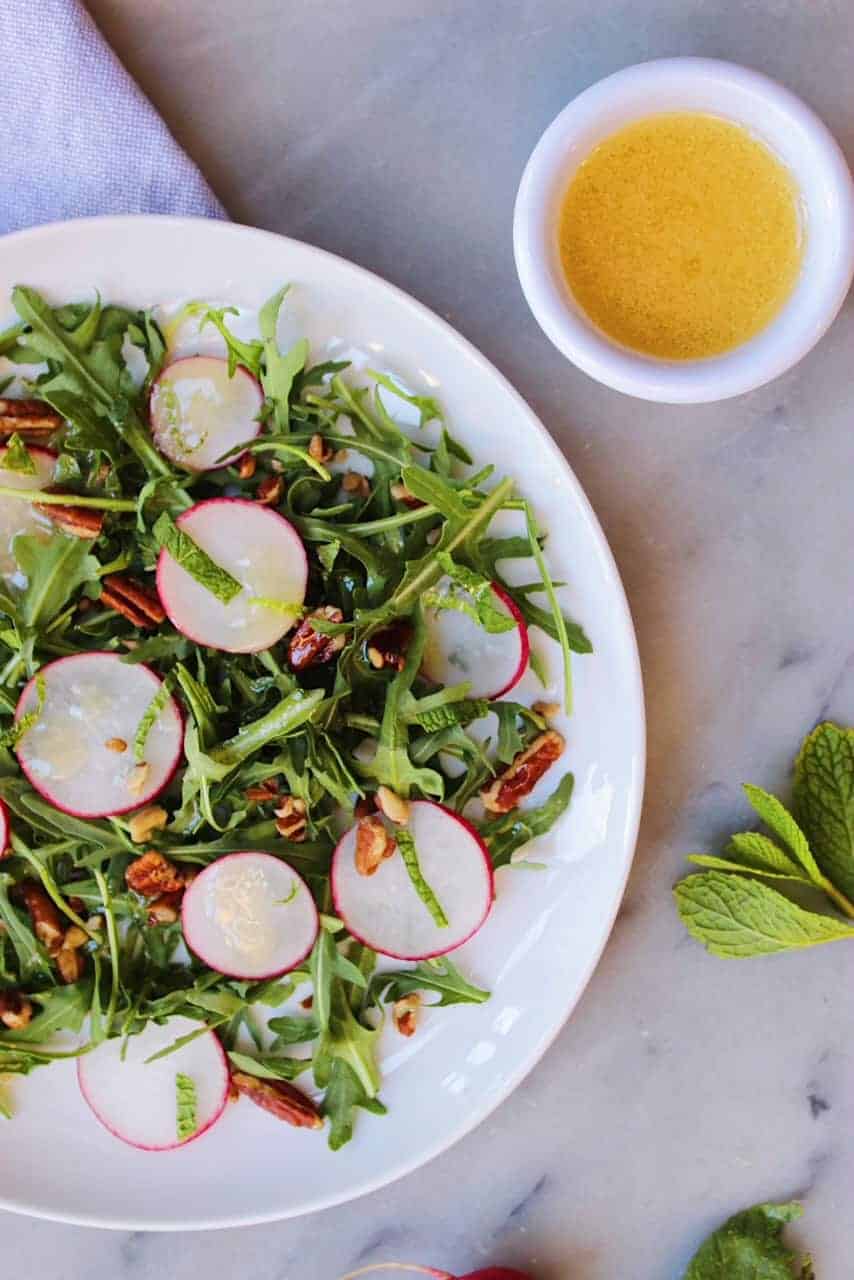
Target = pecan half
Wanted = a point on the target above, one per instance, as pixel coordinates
(280, 1099)
(15, 1010)
(387, 647)
(405, 1014)
(291, 819)
(373, 845)
(395, 808)
(519, 778)
(153, 875)
(28, 417)
(263, 791)
(134, 601)
(70, 963)
(146, 821)
(77, 522)
(270, 491)
(309, 648)
(47, 924)
(320, 449)
(354, 482)
(246, 466)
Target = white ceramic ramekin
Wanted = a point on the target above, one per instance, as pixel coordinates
(774, 115)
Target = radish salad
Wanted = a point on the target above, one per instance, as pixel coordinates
(269, 724)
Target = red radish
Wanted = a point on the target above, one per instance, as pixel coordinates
(459, 649)
(199, 414)
(79, 754)
(409, 1268)
(249, 915)
(259, 548)
(384, 910)
(5, 827)
(17, 516)
(137, 1100)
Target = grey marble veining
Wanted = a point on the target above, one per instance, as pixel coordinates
(684, 1087)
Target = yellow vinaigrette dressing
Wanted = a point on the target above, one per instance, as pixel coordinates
(680, 236)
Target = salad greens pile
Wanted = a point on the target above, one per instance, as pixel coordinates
(250, 718)
(733, 909)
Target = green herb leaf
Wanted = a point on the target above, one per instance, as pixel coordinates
(824, 801)
(190, 556)
(409, 853)
(750, 852)
(150, 717)
(438, 975)
(54, 571)
(511, 831)
(270, 1066)
(736, 917)
(11, 736)
(749, 1246)
(345, 1092)
(17, 457)
(777, 817)
(186, 1106)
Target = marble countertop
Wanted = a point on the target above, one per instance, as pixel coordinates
(684, 1087)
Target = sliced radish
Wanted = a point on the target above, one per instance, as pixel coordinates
(459, 649)
(262, 551)
(17, 516)
(384, 910)
(5, 827)
(249, 915)
(138, 1100)
(79, 754)
(199, 414)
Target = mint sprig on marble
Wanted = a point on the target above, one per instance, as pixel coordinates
(791, 888)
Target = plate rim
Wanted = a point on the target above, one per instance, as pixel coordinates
(623, 621)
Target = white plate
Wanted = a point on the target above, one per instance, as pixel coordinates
(539, 947)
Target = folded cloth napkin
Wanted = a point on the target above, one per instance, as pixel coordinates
(79, 136)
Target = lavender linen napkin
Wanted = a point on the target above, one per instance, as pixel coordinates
(80, 138)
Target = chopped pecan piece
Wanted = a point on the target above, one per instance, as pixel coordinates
(395, 808)
(71, 964)
(165, 909)
(400, 493)
(309, 648)
(263, 791)
(134, 601)
(319, 449)
(75, 937)
(77, 522)
(354, 482)
(270, 491)
(405, 1013)
(246, 466)
(146, 821)
(153, 875)
(519, 778)
(280, 1099)
(47, 924)
(548, 710)
(116, 744)
(291, 819)
(28, 418)
(15, 1010)
(387, 647)
(373, 845)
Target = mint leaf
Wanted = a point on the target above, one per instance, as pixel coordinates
(749, 1246)
(17, 457)
(776, 816)
(450, 713)
(438, 975)
(736, 917)
(749, 851)
(185, 1096)
(11, 736)
(149, 718)
(409, 853)
(190, 556)
(824, 800)
(487, 609)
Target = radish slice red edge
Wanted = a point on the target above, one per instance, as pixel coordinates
(5, 827)
(458, 649)
(199, 414)
(258, 547)
(138, 1100)
(72, 755)
(384, 910)
(249, 915)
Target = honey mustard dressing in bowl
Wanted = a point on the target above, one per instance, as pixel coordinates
(684, 230)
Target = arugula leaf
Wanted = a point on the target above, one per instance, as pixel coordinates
(186, 1106)
(17, 457)
(735, 917)
(511, 831)
(280, 370)
(270, 1066)
(409, 854)
(31, 956)
(248, 354)
(61, 1009)
(344, 1092)
(487, 610)
(190, 556)
(292, 1030)
(438, 975)
(749, 1246)
(54, 571)
(824, 801)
